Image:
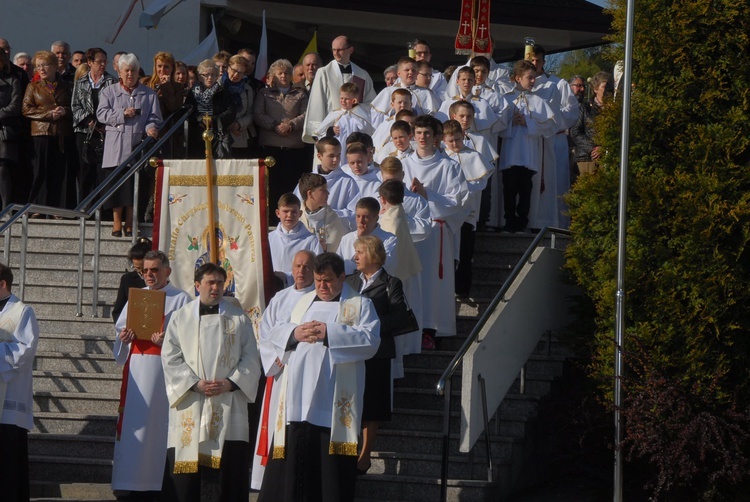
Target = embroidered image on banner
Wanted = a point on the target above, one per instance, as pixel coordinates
(183, 231)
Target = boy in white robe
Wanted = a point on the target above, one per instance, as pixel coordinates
(363, 174)
(421, 103)
(530, 119)
(440, 181)
(330, 334)
(415, 206)
(368, 210)
(351, 117)
(290, 236)
(211, 370)
(400, 100)
(19, 336)
(141, 441)
(477, 171)
(400, 142)
(341, 188)
(278, 311)
(485, 117)
(319, 218)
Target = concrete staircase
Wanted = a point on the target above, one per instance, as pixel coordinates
(77, 383)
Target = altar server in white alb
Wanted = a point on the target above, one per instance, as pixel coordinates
(141, 441)
(367, 213)
(324, 94)
(279, 311)
(350, 117)
(19, 335)
(431, 174)
(211, 369)
(331, 332)
(290, 236)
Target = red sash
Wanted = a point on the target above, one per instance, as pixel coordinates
(262, 449)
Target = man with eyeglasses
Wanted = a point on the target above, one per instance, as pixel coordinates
(141, 441)
(578, 84)
(422, 53)
(324, 94)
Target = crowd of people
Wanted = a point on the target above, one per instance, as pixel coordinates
(374, 237)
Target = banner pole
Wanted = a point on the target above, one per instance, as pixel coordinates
(208, 136)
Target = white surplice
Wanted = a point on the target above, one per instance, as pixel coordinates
(19, 336)
(447, 194)
(210, 347)
(278, 311)
(341, 191)
(140, 451)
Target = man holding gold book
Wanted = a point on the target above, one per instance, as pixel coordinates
(141, 442)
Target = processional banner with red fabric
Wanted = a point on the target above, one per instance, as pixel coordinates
(182, 226)
(474, 37)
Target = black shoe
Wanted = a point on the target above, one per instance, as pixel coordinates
(116, 233)
(128, 233)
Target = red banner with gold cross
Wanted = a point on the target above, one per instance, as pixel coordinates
(465, 36)
(482, 38)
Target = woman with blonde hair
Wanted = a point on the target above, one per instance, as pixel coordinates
(171, 93)
(47, 105)
(279, 113)
(386, 292)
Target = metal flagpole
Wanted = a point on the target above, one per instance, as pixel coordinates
(621, 251)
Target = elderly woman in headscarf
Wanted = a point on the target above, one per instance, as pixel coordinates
(47, 105)
(130, 112)
(208, 97)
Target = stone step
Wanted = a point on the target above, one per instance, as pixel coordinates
(69, 469)
(89, 344)
(69, 309)
(75, 423)
(76, 362)
(69, 261)
(45, 491)
(432, 421)
(61, 381)
(472, 306)
(76, 402)
(423, 442)
(495, 262)
(517, 243)
(426, 378)
(429, 466)
(427, 399)
(420, 489)
(82, 326)
(61, 445)
(47, 277)
(69, 246)
(68, 228)
(65, 294)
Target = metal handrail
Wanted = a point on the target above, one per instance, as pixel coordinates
(443, 387)
(80, 212)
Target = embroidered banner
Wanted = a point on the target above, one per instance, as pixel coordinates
(464, 38)
(241, 229)
(482, 38)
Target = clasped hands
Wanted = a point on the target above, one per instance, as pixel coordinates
(213, 387)
(310, 332)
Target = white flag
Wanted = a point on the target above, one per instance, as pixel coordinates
(261, 64)
(205, 49)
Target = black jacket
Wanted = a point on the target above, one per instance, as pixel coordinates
(387, 295)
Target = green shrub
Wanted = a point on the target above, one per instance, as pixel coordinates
(687, 296)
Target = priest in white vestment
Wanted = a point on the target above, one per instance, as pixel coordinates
(331, 332)
(324, 95)
(19, 336)
(278, 311)
(141, 440)
(211, 370)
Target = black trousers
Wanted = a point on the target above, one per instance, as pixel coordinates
(49, 165)
(308, 473)
(229, 483)
(6, 181)
(87, 173)
(463, 271)
(14, 463)
(517, 184)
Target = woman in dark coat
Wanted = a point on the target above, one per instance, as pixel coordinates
(11, 96)
(387, 295)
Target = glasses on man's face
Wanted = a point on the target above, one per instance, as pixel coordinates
(207, 75)
(577, 85)
(234, 71)
(422, 53)
(426, 75)
(100, 61)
